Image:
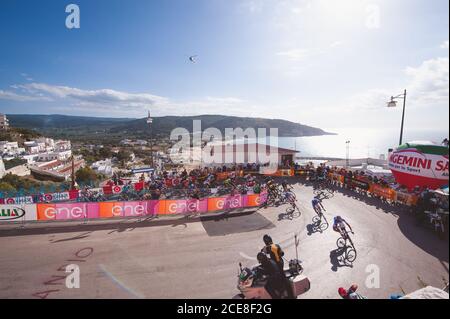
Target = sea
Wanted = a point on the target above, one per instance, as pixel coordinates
(363, 143)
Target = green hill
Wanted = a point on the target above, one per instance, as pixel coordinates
(94, 128)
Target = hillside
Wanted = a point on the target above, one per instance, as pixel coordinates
(93, 128)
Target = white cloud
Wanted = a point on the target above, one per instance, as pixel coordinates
(104, 98)
(429, 82)
(252, 6)
(300, 54)
(108, 101)
(444, 45)
(8, 95)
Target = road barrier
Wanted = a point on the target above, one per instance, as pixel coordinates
(80, 211)
(358, 182)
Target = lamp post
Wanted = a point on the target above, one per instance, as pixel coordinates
(150, 122)
(393, 103)
(347, 159)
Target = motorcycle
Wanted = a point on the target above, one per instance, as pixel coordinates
(252, 285)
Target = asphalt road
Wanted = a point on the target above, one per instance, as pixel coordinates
(198, 258)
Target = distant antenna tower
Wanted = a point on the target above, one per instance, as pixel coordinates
(149, 118)
(149, 122)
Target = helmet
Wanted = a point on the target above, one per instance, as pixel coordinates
(261, 257)
(338, 218)
(342, 292)
(267, 239)
(245, 274)
(354, 287)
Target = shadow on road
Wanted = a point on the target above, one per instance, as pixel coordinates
(238, 224)
(337, 259)
(423, 238)
(316, 228)
(116, 225)
(80, 236)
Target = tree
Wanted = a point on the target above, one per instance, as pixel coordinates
(86, 176)
(105, 152)
(123, 156)
(7, 188)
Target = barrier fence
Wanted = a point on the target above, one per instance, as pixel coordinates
(378, 190)
(73, 195)
(36, 207)
(79, 211)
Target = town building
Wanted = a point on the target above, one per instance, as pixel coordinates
(4, 122)
(228, 154)
(2, 168)
(104, 167)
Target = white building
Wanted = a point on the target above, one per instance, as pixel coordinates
(60, 156)
(141, 142)
(11, 148)
(126, 142)
(2, 168)
(4, 122)
(62, 145)
(103, 167)
(49, 142)
(30, 158)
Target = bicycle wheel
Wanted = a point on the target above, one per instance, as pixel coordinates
(350, 255)
(330, 193)
(296, 211)
(324, 226)
(290, 196)
(317, 220)
(341, 242)
(318, 192)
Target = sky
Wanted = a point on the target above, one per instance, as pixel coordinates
(325, 63)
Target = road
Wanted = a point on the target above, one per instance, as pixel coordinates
(198, 258)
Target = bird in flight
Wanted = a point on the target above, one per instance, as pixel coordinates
(192, 58)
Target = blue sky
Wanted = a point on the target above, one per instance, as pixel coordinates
(325, 63)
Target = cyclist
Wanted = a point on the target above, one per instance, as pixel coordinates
(339, 226)
(317, 205)
(229, 183)
(249, 180)
(272, 188)
(285, 186)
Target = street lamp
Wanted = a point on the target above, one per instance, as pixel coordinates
(149, 122)
(347, 159)
(393, 103)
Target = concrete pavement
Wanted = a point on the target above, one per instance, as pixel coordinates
(198, 258)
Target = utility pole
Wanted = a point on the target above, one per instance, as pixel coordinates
(150, 122)
(403, 118)
(393, 103)
(347, 156)
(72, 186)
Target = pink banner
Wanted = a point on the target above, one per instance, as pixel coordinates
(66, 211)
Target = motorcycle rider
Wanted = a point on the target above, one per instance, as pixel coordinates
(277, 283)
(274, 251)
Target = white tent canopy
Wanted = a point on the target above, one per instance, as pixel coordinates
(427, 293)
